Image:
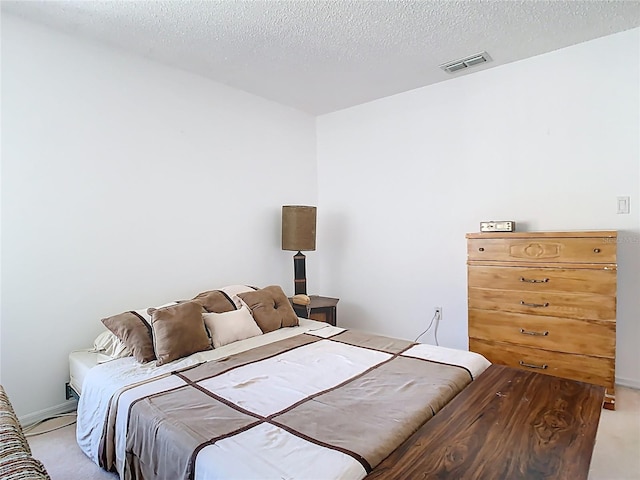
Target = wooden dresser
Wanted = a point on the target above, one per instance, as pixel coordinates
(546, 302)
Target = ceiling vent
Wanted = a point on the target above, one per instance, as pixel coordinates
(470, 61)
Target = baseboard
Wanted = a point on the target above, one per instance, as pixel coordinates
(36, 417)
(628, 382)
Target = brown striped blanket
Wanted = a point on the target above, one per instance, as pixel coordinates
(16, 462)
(303, 407)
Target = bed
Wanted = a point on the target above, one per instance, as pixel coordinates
(305, 401)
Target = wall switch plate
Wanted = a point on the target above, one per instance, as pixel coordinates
(623, 205)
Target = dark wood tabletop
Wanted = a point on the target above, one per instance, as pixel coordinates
(507, 424)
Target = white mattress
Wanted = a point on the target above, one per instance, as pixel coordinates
(80, 362)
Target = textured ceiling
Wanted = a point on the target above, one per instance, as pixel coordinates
(321, 56)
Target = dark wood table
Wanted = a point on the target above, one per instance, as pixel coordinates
(508, 424)
(323, 309)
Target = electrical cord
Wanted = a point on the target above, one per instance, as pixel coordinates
(28, 429)
(435, 318)
(435, 330)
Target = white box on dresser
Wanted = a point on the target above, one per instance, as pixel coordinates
(545, 301)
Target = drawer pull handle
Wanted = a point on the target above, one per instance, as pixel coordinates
(596, 250)
(533, 280)
(481, 249)
(536, 305)
(529, 332)
(531, 365)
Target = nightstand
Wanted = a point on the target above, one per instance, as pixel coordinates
(323, 309)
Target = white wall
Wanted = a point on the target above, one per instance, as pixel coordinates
(127, 184)
(548, 142)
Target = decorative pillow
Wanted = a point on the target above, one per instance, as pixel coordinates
(233, 290)
(178, 331)
(215, 301)
(134, 330)
(223, 299)
(108, 344)
(231, 326)
(150, 310)
(270, 308)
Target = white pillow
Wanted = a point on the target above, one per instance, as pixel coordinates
(231, 326)
(108, 344)
(233, 290)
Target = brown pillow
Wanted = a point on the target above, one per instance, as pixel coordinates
(215, 301)
(222, 300)
(270, 308)
(134, 330)
(178, 331)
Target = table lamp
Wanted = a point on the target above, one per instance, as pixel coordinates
(298, 235)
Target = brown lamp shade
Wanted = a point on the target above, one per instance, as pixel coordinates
(298, 228)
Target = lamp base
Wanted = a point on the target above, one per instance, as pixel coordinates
(299, 274)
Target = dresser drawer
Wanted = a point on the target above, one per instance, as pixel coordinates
(549, 333)
(583, 280)
(543, 250)
(573, 305)
(595, 370)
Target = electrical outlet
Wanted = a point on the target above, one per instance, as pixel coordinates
(438, 313)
